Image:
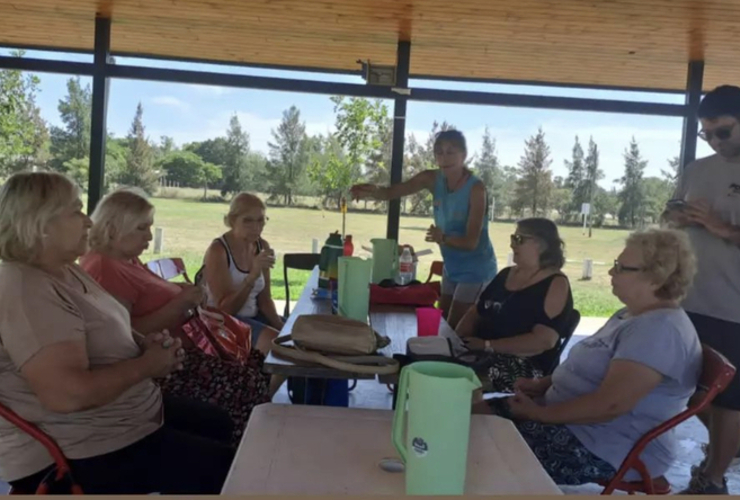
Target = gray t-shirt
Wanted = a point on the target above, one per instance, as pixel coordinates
(664, 340)
(716, 288)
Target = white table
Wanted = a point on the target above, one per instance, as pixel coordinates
(316, 450)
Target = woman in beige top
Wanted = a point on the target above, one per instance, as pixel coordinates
(70, 364)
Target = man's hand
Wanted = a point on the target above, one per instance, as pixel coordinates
(700, 212)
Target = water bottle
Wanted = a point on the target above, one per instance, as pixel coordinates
(405, 267)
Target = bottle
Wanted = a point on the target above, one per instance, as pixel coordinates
(405, 267)
(349, 248)
(332, 250)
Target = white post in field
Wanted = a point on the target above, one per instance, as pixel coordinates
(588, 269)
(158, 239)
(585, 211)
(315, 246)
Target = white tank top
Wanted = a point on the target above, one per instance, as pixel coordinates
(249, 309)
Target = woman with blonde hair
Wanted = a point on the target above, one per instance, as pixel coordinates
(237, 268)
(121, 232)
(637, 371)
(71, 365)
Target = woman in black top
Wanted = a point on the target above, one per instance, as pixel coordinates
(523, 313)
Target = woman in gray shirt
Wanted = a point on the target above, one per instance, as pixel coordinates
(636, 372)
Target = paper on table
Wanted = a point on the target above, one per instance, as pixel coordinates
(497, 395)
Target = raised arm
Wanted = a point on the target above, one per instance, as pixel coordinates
(422, 180)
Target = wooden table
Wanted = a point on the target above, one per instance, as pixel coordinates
(316, 450)
(397, 323)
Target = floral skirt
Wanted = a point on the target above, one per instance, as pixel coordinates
(234, 387)
(506, 368)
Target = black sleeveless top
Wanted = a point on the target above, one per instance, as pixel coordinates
(506, 313)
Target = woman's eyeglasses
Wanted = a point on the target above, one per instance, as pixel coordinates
(721, 133)
(620, 268)
(518, 239)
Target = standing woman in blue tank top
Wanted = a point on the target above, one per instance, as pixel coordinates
(460, 224)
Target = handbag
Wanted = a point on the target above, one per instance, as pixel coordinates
(219, 334)
(337, 342)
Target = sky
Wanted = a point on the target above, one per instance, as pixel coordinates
(196, 112)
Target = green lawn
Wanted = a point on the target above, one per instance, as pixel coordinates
(190, 225)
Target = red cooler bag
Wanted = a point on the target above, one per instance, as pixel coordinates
(422, 295)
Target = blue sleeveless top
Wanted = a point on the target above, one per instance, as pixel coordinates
(451, 211)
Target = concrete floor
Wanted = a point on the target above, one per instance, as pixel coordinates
(691, 434)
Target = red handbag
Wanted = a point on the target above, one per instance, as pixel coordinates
(219, 334)
(421, 295)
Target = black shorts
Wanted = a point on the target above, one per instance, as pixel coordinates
(724, 337)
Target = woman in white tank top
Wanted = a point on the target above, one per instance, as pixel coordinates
(237, 270)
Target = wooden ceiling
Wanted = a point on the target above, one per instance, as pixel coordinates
(622, 43)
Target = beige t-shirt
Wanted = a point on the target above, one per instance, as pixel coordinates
(36, 311)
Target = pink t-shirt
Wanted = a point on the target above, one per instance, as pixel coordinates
(131, 281)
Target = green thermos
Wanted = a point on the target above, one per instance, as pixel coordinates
(328, 267)
(437, 426)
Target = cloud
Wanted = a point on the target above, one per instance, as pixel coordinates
(211, 90)
(171, 101)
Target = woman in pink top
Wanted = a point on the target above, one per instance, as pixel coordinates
(121, 232)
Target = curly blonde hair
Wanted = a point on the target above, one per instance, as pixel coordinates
(668, 259)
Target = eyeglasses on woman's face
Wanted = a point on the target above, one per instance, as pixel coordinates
(620, 268)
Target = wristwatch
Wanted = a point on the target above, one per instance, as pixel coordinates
(487, 346)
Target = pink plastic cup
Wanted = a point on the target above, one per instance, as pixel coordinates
(427, 321)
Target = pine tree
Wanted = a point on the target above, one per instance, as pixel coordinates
(534, 186)
(72, 142)
(632, 193)
(288, 156)
(235, 167)
(576, 180)
(489, 171)
(139, 169)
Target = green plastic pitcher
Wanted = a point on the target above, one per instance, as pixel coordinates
(385, 259)
(437, 424)
(354, 287)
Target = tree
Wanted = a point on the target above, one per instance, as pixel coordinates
(534, 186)
(577, 181)
(356, 123)
(632, 195)
(378, 166)
(488, 169)
(593, 175)
(23, 134)
(604, 203)
(562, 197)
(236, 174)
(183, 167)
(72, 142)
(656, 193)
(672, 175)
(288, 156)
(139, 169)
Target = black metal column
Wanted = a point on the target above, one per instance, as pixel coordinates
(98, 133)
(694, 84)
(403, 63)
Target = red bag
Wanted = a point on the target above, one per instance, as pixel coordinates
(219, 334)
(421, 295)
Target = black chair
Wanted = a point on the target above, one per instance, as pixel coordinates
(303, 261)
(575, 318)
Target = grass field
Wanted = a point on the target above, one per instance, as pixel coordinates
(190, 225)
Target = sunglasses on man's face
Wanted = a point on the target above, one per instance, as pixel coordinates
(721, 133)
(518, 239)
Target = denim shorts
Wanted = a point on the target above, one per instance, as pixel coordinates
(466, 293)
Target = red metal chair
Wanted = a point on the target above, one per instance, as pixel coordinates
(716, 373)
(169, 268)
(61, 471)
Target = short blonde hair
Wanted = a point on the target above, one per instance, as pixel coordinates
(668, 259)
(240, 204)
(118, 213)
(28, 201)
